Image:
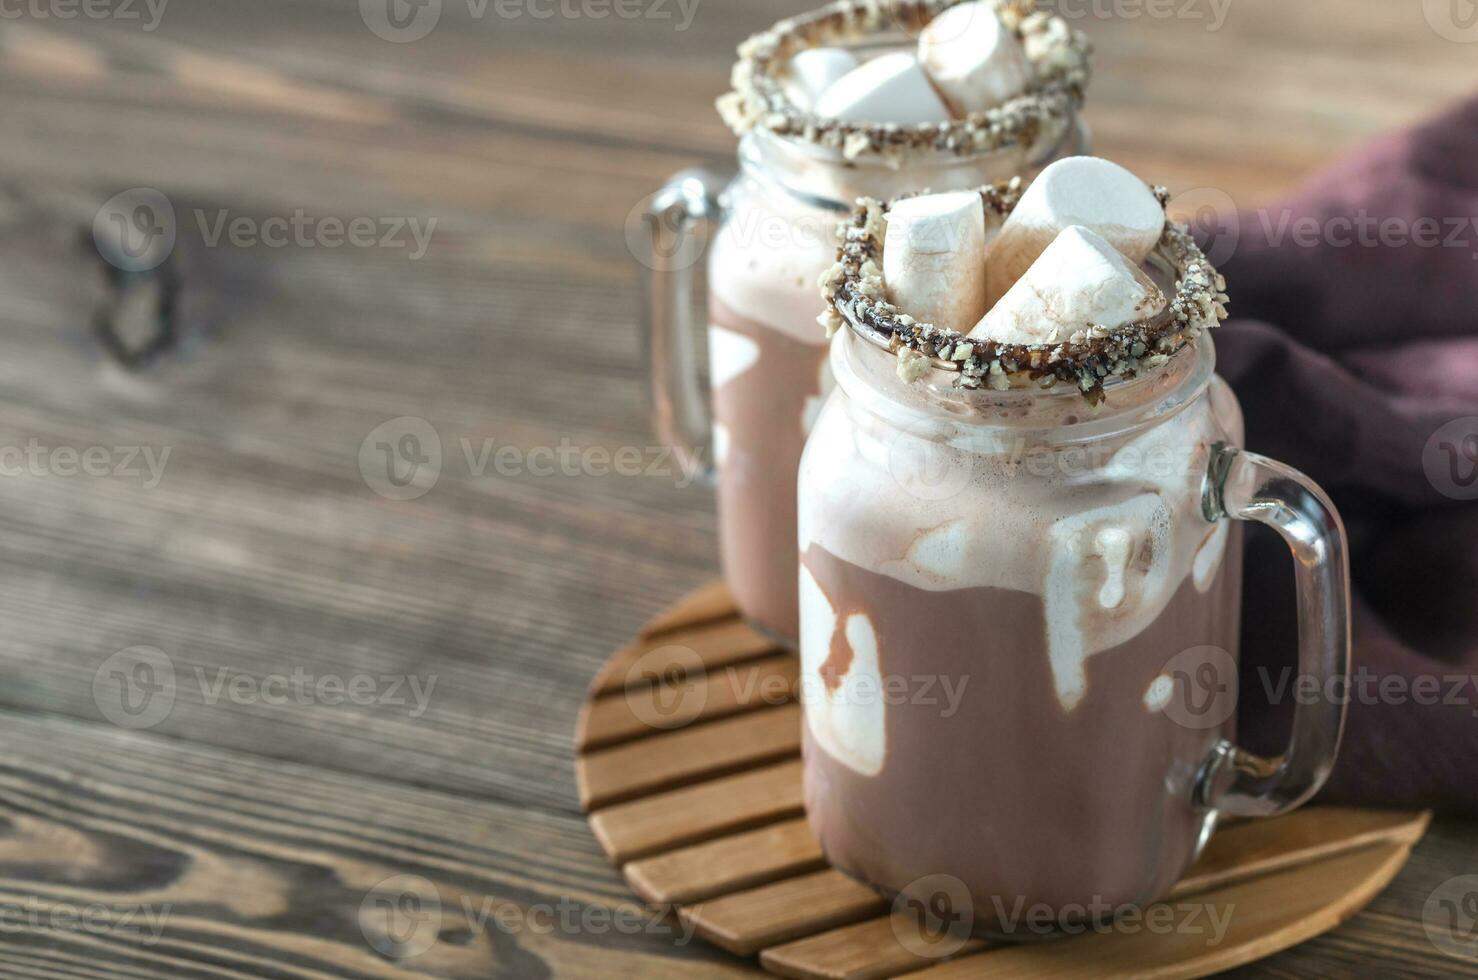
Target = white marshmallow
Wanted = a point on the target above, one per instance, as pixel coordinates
(1083, 191)
(814, 70)
(975, 61)
(934, 258)
(889, 88)
(1078, 282)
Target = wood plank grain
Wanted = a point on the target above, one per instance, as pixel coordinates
(705, 604)
(708, 646)
(1262, 916)
(672, 704)
(518, 77)
(305, 351)
(670, 820)
(1239, 853)
(867, 950)
(749, 921)
(673, 759)
(1258, 847)
(198, 862)
(263, 552)
(729, 864)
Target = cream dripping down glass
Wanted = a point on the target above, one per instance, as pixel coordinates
(1021, 560)
(888, 128)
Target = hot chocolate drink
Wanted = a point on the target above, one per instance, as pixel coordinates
(1044, 531)
(831, 106)
(769, 409)
(1059, 591)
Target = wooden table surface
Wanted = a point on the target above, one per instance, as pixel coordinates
(367, 687)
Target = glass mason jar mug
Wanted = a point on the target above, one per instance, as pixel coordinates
(771, 235)
(1019, 630)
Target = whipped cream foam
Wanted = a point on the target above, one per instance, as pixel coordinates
(764, 265)
(730, 354)
(944, 492)
(846, 714)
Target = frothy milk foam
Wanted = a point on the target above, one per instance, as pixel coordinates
(1051, 564)
(767, 352)
(1105, 541)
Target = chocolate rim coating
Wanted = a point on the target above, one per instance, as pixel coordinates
(856, 297)
(1060, 55)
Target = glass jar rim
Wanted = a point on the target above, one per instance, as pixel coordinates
(759, 100)
(1090, 357)
(812, 173)
(865, 373)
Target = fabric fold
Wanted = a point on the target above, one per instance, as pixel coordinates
(1354, 350)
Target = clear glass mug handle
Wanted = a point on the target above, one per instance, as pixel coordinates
(1247, 487)
(676, 225)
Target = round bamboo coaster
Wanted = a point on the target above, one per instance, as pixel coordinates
(689, 768)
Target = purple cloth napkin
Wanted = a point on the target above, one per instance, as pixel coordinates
(1353, 346)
